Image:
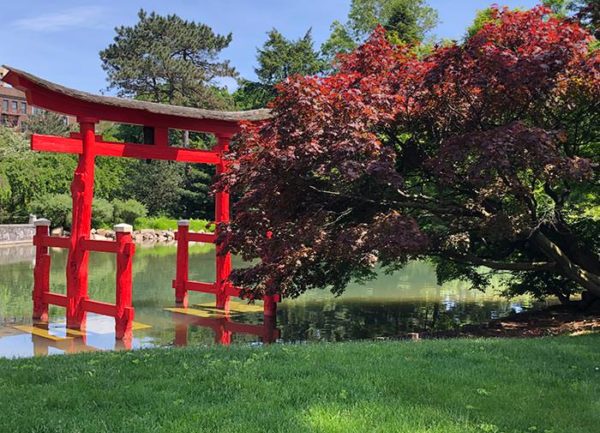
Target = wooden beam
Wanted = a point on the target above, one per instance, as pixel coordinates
(52, 241)
(195, 286)
(103, 308)
(207, 238)
(100, 246)
(48, 143)
(55, 299)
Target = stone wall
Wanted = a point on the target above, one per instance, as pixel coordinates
(16, 233)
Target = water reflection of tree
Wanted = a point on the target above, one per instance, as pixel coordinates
(335, 321)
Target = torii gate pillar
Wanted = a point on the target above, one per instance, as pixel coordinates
(222, 215)
(82, 192)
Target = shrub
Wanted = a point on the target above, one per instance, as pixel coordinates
(102, 213)
(55, 207)
(164, 223)
(128, 211)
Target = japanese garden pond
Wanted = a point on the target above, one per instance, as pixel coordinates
(390, 306)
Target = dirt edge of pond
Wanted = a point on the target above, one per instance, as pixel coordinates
(556, 320)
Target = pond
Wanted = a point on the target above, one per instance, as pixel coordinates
(390, 306)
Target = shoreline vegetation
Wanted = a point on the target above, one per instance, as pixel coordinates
(147, 230)
(464, 385)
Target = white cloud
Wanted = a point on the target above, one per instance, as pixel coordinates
(53, 22)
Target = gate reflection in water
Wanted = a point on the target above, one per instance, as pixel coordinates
(406, 301)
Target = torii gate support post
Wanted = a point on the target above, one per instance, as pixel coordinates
(222, 215)
(124, 309)
(82, 191)
(41, 272)
(181, 276)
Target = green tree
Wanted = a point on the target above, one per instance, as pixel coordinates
(405, 21)
(278, 59)
(587, 12)
(47, 123)
(157, 185)
(170, 60)
(26, 176)
(167, 59)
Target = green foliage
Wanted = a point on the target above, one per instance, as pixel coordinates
(110, 176)
(195, 200)
(55, 207)
(128, 211)
(278, 59)
(102, 213)
(28, 176)
(406, 21)
(47, 123)
(156, 184)
(11, 143)
(483, 17)
(340, 41)
(251, 95)
(165, 223)
(166, 59)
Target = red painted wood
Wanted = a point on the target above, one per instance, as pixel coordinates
(223, 265)
(231, 290)
(207, 238)
(50, 100)
(82, 191)
(52, 241)
(270, 306)
(41, 275)
(223, 328)
(103, 308)
(181, 278)
(124, 310)
(181, 334)
(48, 143)
(222, 335)
(56, 299)
(77, 135)
(161, 136)
(100, 246)
(195, 286)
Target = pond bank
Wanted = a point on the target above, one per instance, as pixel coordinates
(438, 386)
(552, 321)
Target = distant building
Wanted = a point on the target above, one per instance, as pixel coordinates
(14, 108)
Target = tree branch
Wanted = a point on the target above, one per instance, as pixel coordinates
(585, 279)
(432, 207)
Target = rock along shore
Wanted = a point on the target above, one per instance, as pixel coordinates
(144, 236)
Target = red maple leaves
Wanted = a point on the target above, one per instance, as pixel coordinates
(370, 165)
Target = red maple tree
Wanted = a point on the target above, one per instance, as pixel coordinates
(483, 153)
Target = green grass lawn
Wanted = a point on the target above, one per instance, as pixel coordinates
(543, 385)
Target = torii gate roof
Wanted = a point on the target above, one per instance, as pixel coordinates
(54, 97)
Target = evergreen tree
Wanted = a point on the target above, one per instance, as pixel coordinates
(278, 59)
(405, 21)
(167, 59)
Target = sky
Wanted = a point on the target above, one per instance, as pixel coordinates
(60, 40)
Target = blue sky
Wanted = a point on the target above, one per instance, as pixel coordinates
(59, 40)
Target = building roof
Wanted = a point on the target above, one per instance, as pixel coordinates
(11, 92)
(55, 97)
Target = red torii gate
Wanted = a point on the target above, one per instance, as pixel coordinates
(156, 119)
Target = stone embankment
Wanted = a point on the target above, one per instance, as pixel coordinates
(144, 236)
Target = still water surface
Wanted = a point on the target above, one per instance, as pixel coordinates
(390, 306)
